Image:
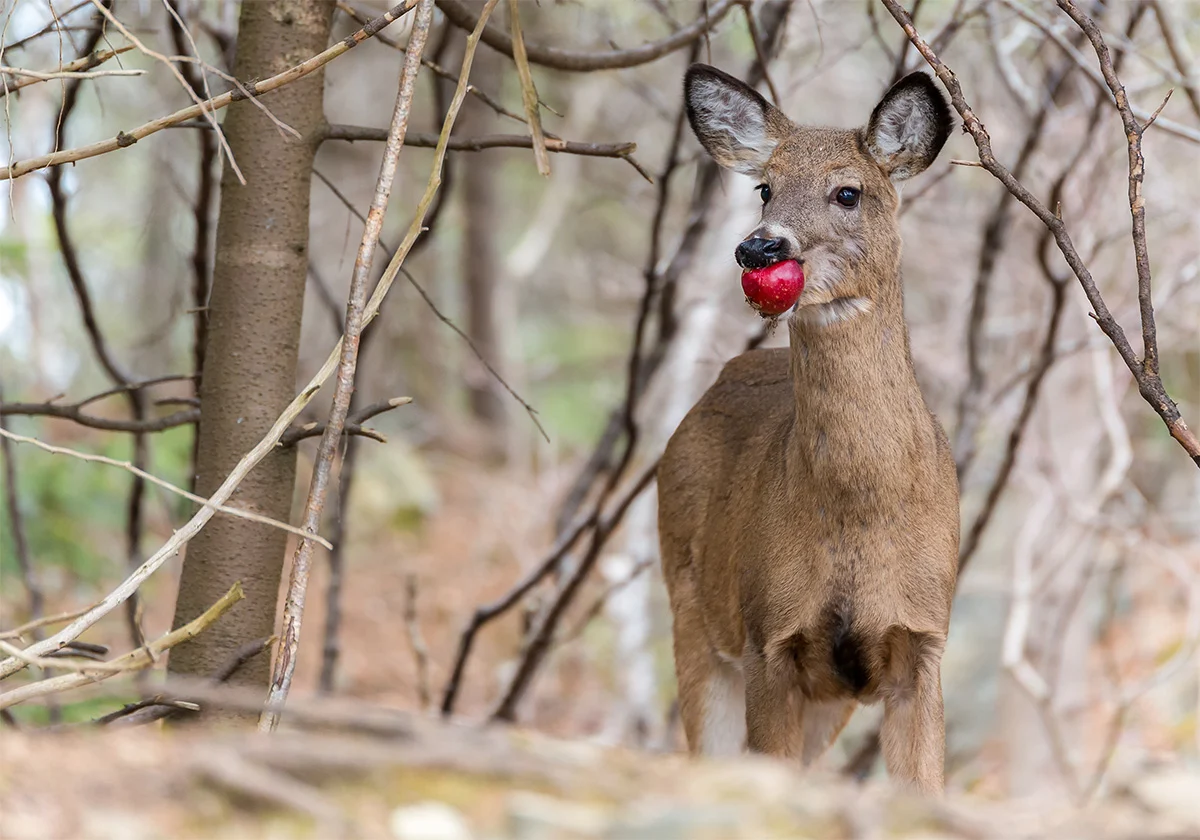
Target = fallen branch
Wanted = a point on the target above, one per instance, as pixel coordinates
(254, 89)
(132, 661)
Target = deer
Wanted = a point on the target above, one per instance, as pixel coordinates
(808, 502)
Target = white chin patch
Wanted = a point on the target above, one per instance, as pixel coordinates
(836, 311)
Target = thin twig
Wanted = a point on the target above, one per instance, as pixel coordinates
(529, 94)
(77, 69)
(353, 425)
(529, 409)
(166, 485)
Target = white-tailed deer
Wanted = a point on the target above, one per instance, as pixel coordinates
(808, 508)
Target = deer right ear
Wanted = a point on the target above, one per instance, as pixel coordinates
(737, 127)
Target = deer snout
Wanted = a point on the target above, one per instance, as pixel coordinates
(759, 251)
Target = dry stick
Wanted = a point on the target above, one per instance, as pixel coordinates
(52, 26)
(166, 485)
(582, 62)
(529, 409)
(293, 608)
(529, 94)
(76, 69)
(252, 90)
(134, 660)
(264, 447)
(1149, 383)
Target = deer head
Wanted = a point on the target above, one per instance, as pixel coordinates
(829, 195)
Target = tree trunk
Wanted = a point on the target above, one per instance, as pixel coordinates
(253, 335)
(482, 271)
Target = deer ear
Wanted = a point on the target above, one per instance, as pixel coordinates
(737, 127)
(908, 127)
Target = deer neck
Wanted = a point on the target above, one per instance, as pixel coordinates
(857, 399)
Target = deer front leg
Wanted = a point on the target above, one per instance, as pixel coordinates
(914, 730)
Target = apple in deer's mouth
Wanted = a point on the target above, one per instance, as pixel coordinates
(773, 289)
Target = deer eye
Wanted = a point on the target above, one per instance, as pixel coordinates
(847, 197)
(764, 191)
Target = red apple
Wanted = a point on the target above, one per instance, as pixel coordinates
(773, 289)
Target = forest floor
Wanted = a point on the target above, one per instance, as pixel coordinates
(410, 777)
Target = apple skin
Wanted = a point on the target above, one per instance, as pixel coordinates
(773, 289)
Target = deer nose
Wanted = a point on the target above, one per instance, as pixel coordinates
(758, 252)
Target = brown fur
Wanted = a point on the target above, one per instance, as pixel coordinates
(808, 508)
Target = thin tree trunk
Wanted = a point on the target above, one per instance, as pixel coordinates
(253, 335)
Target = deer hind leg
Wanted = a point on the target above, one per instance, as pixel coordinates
(712, 693)
(773, 724)
(914, 731)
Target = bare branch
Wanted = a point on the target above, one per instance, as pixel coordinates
(126, 139)
(582, 62)
(353, 425)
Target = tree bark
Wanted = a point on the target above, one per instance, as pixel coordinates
(254, 318)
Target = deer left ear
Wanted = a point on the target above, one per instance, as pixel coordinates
(908, 127)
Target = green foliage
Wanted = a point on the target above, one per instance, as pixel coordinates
(78, 711)
(74, 511)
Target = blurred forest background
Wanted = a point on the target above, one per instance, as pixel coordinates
(604, 301)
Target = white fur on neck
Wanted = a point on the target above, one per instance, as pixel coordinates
(834, 312)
